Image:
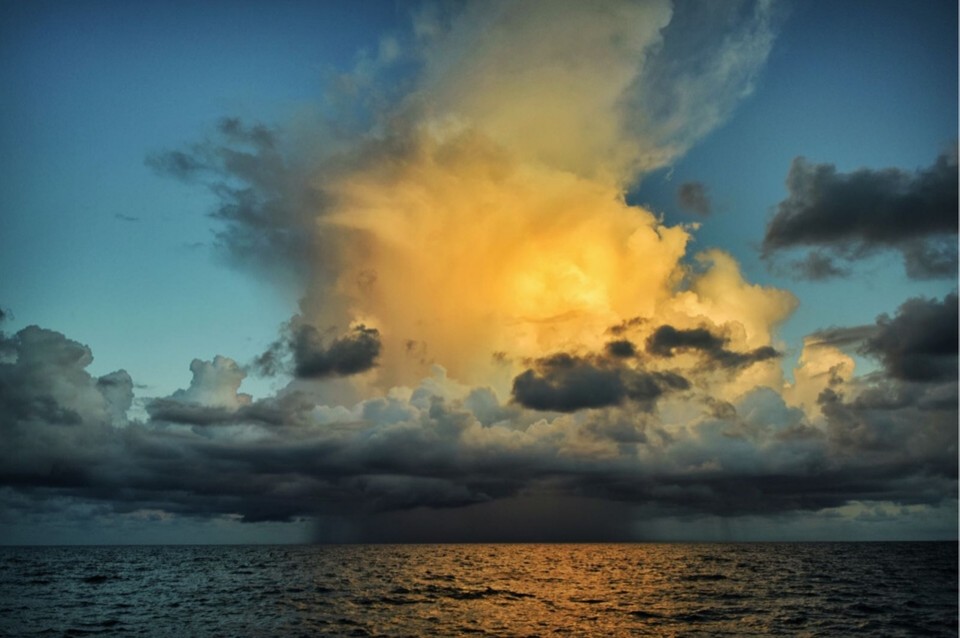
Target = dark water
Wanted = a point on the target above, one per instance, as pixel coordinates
(816, 589)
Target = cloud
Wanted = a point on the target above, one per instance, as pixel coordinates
(566, 383)
(43, 378)
(414, 454)
(265, 202)
(354, 352)
(692, 196)
(178, 164)
(719, 292)
(817, 266)
(917, 344)
(896, 423)
(622, 348)
(315, 356)
(667, 340)
(931, 258)
(917, 349)
(454, 214)
(851, 215)
(841, 337)
(920, 342)
(487, 328)
(670, 75)
(695, 78)
(215, 383)
(56, 418)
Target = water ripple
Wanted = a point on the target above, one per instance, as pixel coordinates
(906, 589)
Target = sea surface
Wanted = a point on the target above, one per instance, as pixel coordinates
(803, 589)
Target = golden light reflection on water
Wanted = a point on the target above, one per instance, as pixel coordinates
(840, 589)
(536, 590)
(522, 590)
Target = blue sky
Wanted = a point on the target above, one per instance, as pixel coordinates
(97, 240)
(855, 84)
(97, 244)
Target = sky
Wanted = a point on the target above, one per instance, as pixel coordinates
(427, 271)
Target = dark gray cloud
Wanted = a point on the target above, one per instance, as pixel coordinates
(178, 164)
(920, 342)
(566, 383)
(56, 420)
(841, 337)
(626, 325)
(42, 379)
(931, 258)
(265, 202)
(315, 356)
(692, 196)
(421, 459)
(173, 411)
(258, 136)
(817, 266)
(896, 425)
(851, 215)
(354, 352)
(667, 340)
(917, 344)
(621, 348)
(287, 410)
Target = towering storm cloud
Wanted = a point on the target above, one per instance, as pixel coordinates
(486, 324)
(484, 210)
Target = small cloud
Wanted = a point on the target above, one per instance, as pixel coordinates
(256, 135)
(626, 326)
(666, 341)
(840, 337)
(817, 266)
(314, 358)
(621, 348)
(566, 383)
(692, 197)
(177, 164)
(354, 352)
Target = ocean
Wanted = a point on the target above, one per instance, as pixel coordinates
(763, 589)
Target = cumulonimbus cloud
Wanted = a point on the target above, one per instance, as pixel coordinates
(413, 227)
(462, 258)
